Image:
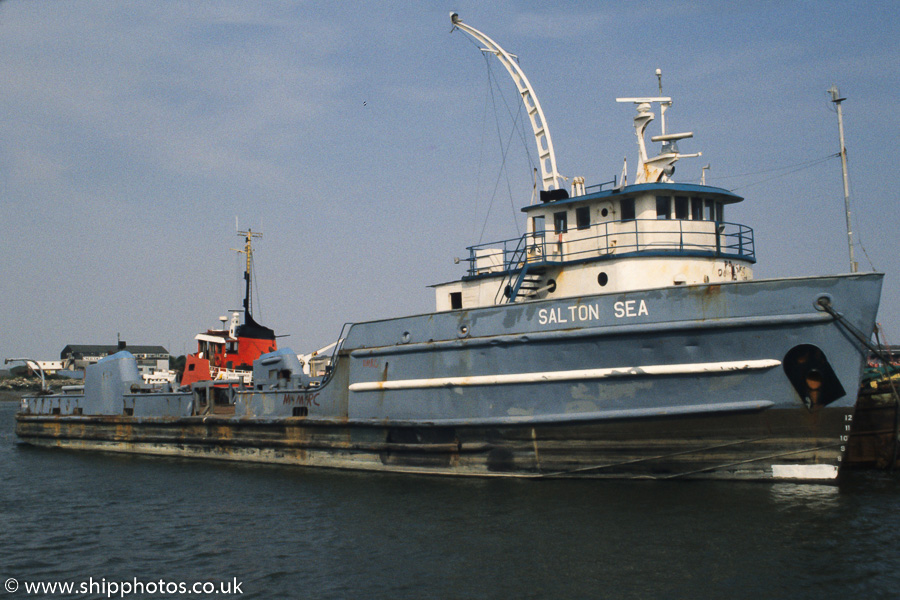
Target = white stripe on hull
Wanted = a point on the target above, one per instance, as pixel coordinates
(804, 471)
(575, 375)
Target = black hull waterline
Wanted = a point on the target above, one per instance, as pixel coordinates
(748, 444)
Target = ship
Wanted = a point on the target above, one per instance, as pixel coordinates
(875, 435)
(623, 335)
(227, 353)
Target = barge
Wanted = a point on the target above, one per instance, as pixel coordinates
(622, 336)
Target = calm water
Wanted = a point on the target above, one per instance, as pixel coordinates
(295, 533)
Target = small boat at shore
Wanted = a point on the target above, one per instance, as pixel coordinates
(622, 336)
(875, 435)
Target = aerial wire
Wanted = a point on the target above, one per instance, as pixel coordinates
(503, 170)
(794, 168)
(515, 117)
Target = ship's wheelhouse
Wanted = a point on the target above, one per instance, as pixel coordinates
(637, 237)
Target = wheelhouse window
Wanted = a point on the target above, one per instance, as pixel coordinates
(583, 217)
(537, 225)
(697, 209)
(662, 207)
(714, 211)
(682, 208)
(560, 222)
(627, 208)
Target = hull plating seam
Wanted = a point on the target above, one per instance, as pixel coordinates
(589, 332)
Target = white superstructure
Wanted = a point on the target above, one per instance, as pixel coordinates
(654, 233)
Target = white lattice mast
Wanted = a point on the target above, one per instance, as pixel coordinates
(550, 175)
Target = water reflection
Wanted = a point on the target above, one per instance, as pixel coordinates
(350, 534)
(808, 496)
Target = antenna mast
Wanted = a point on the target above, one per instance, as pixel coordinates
(248, 251)
(836, 99)
(549, 173)
(662, 166)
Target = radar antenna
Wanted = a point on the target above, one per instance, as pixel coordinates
(549, 173)
(662, 166)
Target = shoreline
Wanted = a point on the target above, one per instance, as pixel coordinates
(16, 387)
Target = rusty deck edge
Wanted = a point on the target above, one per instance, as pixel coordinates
(525, 421)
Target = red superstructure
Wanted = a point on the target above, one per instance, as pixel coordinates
(228, 353)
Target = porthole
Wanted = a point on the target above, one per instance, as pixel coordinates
(604, 212)
(602, 279)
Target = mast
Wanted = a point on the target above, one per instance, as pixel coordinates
(248, 251)
(836, 99)
(549, 173)
(662, 166)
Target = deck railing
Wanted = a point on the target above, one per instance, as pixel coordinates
(220, 373)
(615, 239)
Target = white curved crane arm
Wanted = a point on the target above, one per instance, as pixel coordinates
(546, 155)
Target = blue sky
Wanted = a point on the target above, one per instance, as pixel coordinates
(361, 140)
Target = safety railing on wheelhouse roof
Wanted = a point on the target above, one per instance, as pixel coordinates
(614, 239)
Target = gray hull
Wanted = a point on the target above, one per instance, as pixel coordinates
(744, 380)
